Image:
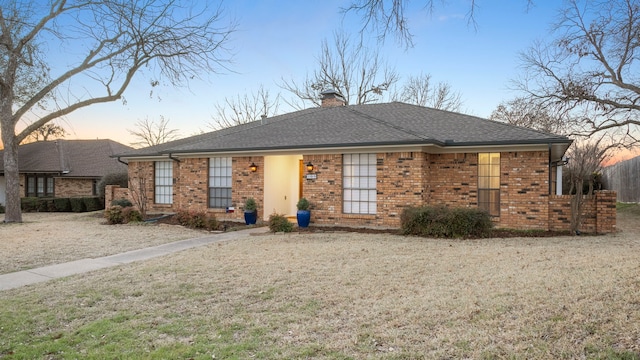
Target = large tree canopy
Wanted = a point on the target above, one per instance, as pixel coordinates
(65, 55)
(589, 68)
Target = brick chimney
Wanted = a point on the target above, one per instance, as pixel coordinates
(332, 98)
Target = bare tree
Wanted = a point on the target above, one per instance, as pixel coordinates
(46, 132)
(245, 109)
(150, 133)
(105, 43)
(590, 66)
(419, 90)
(384, 17)
(533, 114)
(359, 74)
(138, 189)
(585, 162)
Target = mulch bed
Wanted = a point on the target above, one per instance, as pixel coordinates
(495, 233)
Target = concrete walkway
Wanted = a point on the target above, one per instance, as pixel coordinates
(32, 276)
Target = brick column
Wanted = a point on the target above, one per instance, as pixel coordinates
(606, 211)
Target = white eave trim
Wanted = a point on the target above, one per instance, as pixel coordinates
(430, 149)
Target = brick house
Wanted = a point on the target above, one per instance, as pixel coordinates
(360, 165)
(64, 168)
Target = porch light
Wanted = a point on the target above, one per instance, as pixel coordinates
(253, 167)
(309, 166)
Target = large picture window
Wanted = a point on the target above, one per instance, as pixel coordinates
(220, 182)
(359, 183)
(489, 183)
(39, 185)
(164, 182)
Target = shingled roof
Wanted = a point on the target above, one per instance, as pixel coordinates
(367, 125)
(70, 158)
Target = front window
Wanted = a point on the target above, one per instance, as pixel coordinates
(39, 185)
(359, 183)
(220, 182)
(489, 183)
(164, 182)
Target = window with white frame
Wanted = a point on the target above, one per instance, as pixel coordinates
(489, 183)
(220, 182)
(164, 182)
(359, 183)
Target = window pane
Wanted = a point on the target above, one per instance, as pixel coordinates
(359, 183)
(495, 170)
(489, 183)
(220, 182)
(163, 182)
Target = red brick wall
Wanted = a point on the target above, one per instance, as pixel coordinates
(403, 179)
(452, 179)
(246, 184)
(524, 185)
(598, 213)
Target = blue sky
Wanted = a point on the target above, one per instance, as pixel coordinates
(281, 39)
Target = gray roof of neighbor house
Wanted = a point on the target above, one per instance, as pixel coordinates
(70, 158)
(357, 126)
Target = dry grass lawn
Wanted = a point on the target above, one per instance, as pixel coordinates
(344, 296)
(53, 238)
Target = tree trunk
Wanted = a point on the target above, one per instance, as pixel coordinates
(11, 173)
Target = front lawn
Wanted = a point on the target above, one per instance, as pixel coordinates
(343, 296)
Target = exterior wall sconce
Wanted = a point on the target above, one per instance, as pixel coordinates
(309, 166)
(253, 167)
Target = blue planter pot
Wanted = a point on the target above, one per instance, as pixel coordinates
(303, 216)
(250, 218)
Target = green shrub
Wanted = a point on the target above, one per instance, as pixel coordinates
(250, 205)
(279, 223)
(42, 205)
(114, 215)
(130, 214)
(77, 204)
(445, 222)
(93, 203)
(62, 204)
(2, 209)
(117, 214)
(303, 204)
(29, 204)
(121, 202)
(120, 179)
(197, 220)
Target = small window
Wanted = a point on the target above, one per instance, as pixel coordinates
(164, 182)
(219, 182)
(359, 183)
(489, 183)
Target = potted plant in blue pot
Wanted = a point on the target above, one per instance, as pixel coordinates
(303, 215)
(250, 211)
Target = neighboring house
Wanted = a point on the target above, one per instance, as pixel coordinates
(64, 168)
(361, 165)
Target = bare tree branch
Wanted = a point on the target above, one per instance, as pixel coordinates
(359, 74)
(111, 42)
(245, 109)
(591, 65)
(419, 90)
(150, 133)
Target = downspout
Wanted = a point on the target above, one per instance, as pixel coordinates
(122, 162)
(550, 172)
(173, 158)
